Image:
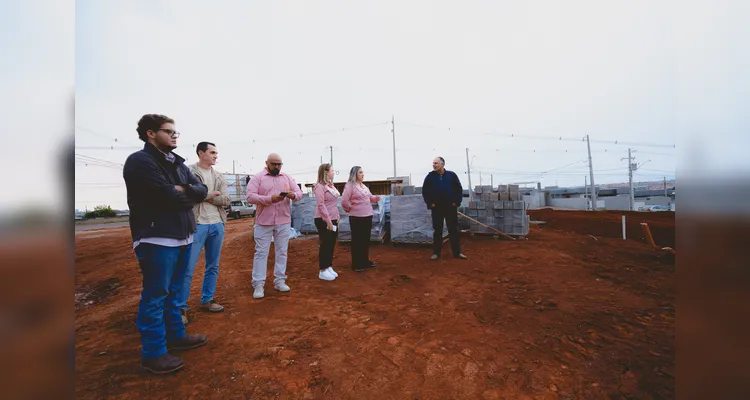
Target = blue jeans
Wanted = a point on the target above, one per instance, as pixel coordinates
(212, 236)
(159, 319)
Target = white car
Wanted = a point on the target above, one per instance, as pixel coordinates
(654, 208)
(240, 208)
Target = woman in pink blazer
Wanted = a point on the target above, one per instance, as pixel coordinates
(356, 201)
(326, 220)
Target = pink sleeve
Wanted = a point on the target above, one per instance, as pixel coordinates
(297, 190)
(320, 202)
(253, 196)
(346, 198)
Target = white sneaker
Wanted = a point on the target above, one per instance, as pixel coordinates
(282, 287)
(258, 293)
(330, 269)
(326, 275)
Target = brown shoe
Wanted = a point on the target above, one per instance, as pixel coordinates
(183, 314)
(164, 364)
(461, 256)
(187, 342)
(212, 306)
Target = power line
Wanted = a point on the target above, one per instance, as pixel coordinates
(556, 138)
(304, 135)
(96, 162)
(130, 148)
(657, 170)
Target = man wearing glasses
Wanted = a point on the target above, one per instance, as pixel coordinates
(161, 194)
(271, 191)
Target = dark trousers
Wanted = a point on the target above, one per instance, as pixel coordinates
(450, 215)
(163, 269)
(361, 227)
(327, 242)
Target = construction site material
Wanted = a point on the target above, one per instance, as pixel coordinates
(411, 220)
(486, 226)
(506, 216)
(303, 214)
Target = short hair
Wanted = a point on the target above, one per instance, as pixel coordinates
(151, 122)
(203, 146)
(442, 160)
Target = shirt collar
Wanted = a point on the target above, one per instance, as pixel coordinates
(168, 156)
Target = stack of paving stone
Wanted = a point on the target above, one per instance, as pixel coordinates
(411, 221)
(491, 208)
(303, 214)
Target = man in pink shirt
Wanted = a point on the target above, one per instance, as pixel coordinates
(271, 191)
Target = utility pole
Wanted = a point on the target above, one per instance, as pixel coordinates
(591, 173)
(631, 196)
(492, 180)
(321, 160)
(393, 130)
(468, 169)
(665, 186)
(480, 178)
(331, 154)
(233, 173)
(586, 190)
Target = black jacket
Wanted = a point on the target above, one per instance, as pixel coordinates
(157, 208)
(442, 192)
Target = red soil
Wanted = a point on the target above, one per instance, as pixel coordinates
(558, 316)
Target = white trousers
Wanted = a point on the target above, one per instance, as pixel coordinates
(263, 235)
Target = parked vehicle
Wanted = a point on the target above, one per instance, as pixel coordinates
(240, 208)
(654, 208)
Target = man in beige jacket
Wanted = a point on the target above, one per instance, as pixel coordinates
(210, 218)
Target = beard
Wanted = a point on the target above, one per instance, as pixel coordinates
(274, 172)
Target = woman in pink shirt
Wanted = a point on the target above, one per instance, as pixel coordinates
(326, 220)
(356, 201)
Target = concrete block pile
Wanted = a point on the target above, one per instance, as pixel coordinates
(410, 220)
(491, 208)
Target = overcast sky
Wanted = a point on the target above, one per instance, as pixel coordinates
(289, 76)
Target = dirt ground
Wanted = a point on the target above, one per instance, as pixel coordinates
(561, 315)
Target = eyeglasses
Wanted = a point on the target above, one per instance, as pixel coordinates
(276, 163)
(171, 132)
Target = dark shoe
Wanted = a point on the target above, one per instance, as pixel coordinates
(164, 364)
(212, 306)
(357, 269)
(183, 314)
(434, 257)
(187, 342)
(371, 264)
(461, 256)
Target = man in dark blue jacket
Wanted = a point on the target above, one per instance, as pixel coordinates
(443, 193)
(161, 194)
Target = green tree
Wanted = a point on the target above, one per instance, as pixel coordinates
(101, 212)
